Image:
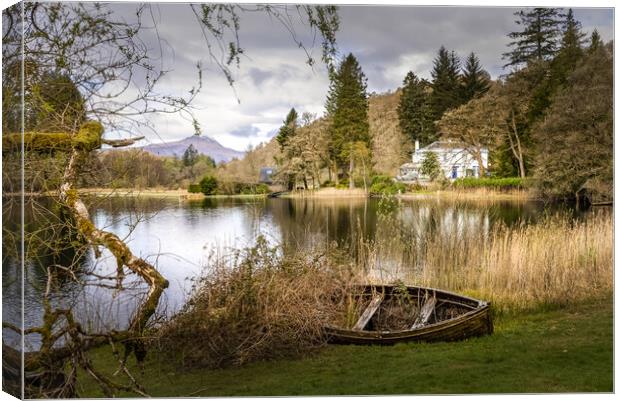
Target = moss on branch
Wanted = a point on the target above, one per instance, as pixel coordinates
(88, 138)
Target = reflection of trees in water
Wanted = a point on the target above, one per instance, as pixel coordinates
(317, 221)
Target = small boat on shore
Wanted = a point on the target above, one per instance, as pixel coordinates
(392, 314)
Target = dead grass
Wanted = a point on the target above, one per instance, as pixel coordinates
(557, 261)
(472, 194)
(260, 303)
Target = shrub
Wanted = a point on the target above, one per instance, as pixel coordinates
(343, 184)
(256, 304)
(385, 185)
(194, 189)
(262, 189)
(208, 185)
(494, 183)
(241, 188)
(328, 184)
(431, 166)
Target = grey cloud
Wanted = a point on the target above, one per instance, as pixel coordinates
(388, 41)
(259, 76)
(245, 131)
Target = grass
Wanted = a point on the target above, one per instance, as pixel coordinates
(566, 349)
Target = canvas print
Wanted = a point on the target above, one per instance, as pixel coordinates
(245, 199)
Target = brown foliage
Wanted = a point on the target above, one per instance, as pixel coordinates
(257, 305)
(575, 140)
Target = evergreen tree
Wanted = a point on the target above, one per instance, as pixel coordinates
(446, 84)
(347, 107)
(430, 166)
(570, 51)
(595, 42)
(475, 81)
(287, 131)
(413, 109)
(190, 156)
(564, 63)
(538, 41)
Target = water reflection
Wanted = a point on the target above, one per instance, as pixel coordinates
(180, 237)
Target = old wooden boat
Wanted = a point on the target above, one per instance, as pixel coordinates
(391, 314)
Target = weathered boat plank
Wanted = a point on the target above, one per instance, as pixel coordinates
(369, 312)
(425, 313)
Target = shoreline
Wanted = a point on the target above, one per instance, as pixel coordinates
(159, 193)
(323, 193)
(473, 194)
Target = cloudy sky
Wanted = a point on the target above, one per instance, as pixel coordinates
(273, 76)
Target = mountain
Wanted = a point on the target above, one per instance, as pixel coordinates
(203, 144)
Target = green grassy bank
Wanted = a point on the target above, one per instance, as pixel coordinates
(561, 350)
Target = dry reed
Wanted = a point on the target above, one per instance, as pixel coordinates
(556, 261)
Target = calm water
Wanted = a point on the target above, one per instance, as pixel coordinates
(180, 238)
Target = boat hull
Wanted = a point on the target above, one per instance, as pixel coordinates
(477, 321)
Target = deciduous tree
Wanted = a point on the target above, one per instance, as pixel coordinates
(575, 140)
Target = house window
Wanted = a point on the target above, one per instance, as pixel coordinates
(469, 173)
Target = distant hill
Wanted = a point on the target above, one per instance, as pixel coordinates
(203, 144)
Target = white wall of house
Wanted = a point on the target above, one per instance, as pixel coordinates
(455, 162)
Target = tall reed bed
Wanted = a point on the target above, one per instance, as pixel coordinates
(558, 260)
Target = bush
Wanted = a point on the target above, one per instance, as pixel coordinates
(262, 189)
(328, 184)
(343, 184)
(256, 304)
(194, 189)
(385, 185)
(502, 184)
(241, 188)
(208, 185)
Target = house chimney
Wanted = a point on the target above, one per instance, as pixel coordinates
(417, 145)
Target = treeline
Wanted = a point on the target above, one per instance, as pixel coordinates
(135, 168)
(549, 118)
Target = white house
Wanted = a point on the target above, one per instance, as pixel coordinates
(454, 159)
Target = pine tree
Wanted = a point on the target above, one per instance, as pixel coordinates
(595, 42)
(413, 108)
(446, 83)
(538, 41)
(347, 106)
(475, 81)
(564, 63)
(572, 40)
(190, 156)
(289, 125)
